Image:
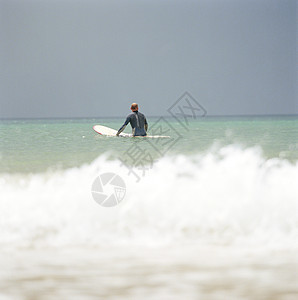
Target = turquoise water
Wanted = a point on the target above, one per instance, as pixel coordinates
(37, 145)
(213, 215)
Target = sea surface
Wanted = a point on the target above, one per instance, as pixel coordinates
(209, 213)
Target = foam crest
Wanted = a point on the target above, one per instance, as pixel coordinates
(230, 195)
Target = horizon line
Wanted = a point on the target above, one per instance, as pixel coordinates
(149, 116)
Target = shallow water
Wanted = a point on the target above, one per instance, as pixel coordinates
(149, 273)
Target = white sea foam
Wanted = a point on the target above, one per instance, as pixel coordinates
(228, 196)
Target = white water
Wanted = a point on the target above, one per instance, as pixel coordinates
(232, 196)
(228, 209)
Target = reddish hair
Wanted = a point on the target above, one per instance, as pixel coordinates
(134, 106)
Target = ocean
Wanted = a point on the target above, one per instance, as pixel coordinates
(209, 213)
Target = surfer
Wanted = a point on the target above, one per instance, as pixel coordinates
(137, 121)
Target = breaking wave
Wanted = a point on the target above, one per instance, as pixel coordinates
(228, 196)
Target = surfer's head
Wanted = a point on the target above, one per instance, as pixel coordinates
(134, 107)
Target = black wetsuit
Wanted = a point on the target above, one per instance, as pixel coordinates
(138, 124)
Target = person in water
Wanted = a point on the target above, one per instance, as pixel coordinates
(137, 121)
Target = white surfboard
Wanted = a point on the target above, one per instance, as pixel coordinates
(103, 130)
(106, 131)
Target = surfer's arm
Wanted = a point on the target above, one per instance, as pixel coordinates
(146, 125)
(120, 130)
(123, 126)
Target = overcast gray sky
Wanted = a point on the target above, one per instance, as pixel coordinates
(93, 58)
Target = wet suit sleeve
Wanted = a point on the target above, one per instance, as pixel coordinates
(146, 124)
(123, 126)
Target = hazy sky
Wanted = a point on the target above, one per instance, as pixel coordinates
(93, 58)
